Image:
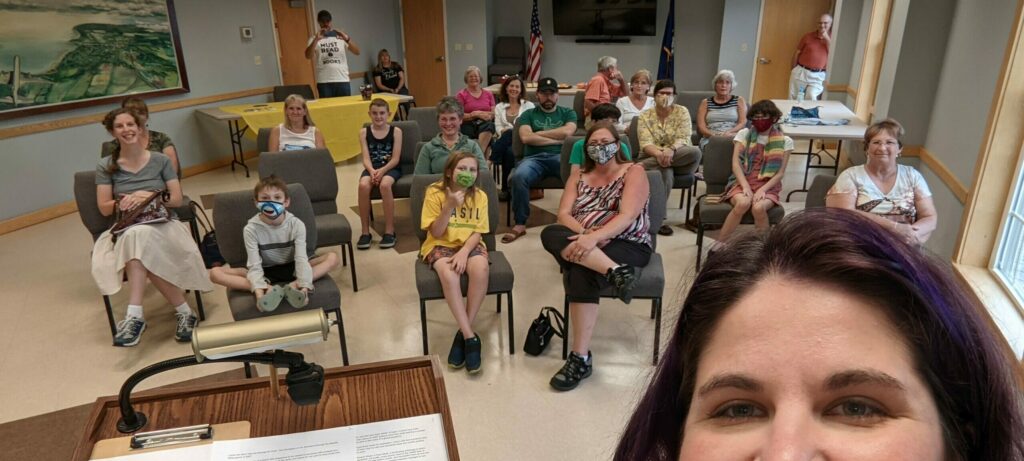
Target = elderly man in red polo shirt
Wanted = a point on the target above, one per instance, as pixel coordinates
(606, 86)
(809, 61)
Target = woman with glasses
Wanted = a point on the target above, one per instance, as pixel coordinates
(893, 195)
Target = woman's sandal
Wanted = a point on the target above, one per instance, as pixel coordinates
(512, 236)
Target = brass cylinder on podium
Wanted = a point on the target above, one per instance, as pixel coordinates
(261, 334)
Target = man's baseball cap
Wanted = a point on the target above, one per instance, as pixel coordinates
(547, 84)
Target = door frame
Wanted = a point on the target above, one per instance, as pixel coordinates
(444, 25)
(277, 43)
(835, 8)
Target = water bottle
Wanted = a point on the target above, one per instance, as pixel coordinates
(800, 95)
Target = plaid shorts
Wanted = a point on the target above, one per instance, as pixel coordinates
(439, 252)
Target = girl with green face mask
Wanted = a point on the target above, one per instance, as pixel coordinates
(455, 216)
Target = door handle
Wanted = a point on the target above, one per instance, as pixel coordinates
(764, 61)
(439, 58)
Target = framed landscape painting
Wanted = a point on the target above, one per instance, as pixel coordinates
(64, 54)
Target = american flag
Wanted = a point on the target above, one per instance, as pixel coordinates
(536, 47)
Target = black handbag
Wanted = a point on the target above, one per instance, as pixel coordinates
(208, 244)
(543, 329)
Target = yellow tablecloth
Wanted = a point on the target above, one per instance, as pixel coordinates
(339, 119)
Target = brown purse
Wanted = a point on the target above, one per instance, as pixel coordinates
(150, 211)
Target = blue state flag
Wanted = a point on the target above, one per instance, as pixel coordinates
(666, 61)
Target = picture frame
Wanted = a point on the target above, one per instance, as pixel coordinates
(64, 55)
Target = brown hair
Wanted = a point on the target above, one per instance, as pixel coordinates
(136, 103)
(108, 123)
(379, 102)
(270, 182)
(888, 126)
(620, 156)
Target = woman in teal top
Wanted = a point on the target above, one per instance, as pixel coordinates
(434, 153)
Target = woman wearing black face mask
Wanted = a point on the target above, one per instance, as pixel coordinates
(601, 239)
(759, 158)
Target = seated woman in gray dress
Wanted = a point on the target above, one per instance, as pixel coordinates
(162, 253)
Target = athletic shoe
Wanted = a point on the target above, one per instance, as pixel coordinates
(388, 241)
(624, 278)
(665, 229)
(186, 323)
(575, 370)
(364, 242)
(457, 356)
(129, 331)
(473, 355)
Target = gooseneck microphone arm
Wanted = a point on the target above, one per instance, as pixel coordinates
(304, 380)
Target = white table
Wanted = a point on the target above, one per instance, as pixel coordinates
(827, 110)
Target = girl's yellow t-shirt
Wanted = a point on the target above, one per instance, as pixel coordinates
(465, 220)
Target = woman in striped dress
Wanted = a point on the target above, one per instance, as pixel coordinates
(723, 114)
(601, 239)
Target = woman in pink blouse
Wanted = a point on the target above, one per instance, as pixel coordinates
(478, 104)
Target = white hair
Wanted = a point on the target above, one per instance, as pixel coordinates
(724, 74)
(469, 70)
(604, 62)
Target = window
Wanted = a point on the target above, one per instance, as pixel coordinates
(1009, 261)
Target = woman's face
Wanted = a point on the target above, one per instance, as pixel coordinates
(884, 148)
(600, 137)
(639, 87)
(295, 111)
(473, 79)
(802, 371)
(385, 60)
(449, 123)
(126, 130)
(514, 90)
(723, 87)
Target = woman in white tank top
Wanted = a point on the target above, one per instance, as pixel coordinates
(297, 132)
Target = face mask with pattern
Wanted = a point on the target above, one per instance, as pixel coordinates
(465, 178)
(270, 209)
(664, 100)
(602, 153)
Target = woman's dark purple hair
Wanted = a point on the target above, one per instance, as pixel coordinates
(955, 350)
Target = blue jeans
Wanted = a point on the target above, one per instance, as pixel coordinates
(334, 89)
(530, 170)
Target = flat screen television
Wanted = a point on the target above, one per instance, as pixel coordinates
(605, 17)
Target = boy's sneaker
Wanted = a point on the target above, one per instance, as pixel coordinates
(473, 354)
(624, 278)
(186, 323)
(388, 241)
(364, 241)
(574, 371)
(129, 331)
(457, 356)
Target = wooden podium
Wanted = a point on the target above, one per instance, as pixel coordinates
(352, 395)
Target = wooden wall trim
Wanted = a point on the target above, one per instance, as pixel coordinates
(944, 173)
(840, 88)
(69, 122)
(39, 216)
(871, 65)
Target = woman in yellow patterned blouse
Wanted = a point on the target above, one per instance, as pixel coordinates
(664, 135)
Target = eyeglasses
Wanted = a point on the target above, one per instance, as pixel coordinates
(879, 143)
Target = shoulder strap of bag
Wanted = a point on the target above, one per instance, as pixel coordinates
(558, 324)
(197, 211)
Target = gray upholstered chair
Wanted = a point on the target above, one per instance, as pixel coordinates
(500, 278)
(691, 101)
(231, 211)
(683, 182)
(314, 169)
(281, 92)
(407, 163)
(96, 224)
(426, 118)
(717, 169)
(509, 58)
(578, 101)
(263, 140)
(819, 190)
(652, 277)
(550, 182)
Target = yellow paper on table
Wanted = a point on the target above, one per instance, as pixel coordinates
(338, 119)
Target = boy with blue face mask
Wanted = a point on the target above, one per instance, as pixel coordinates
(277, 266)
